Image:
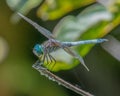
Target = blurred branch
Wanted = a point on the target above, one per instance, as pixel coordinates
(51, 76)
(4, 48)
(112, 47)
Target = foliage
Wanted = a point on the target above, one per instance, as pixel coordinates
(92, 23)
(79, 20)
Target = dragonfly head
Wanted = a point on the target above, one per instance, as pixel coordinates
(38, 50)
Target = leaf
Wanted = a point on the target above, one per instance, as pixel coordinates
(110, 4)
(54, 9)
(74, 27)
(94, 22)
(22, 6)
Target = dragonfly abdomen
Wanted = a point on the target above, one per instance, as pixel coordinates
(93, 41)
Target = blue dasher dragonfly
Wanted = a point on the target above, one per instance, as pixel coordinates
(42, 51)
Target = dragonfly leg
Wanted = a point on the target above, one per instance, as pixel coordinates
(45, 59)
(37, 65)
(53, 61)
(42, 59)
(48, 60)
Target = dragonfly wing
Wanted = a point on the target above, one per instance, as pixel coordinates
(42, 30)
(72, 53)
(77, 56)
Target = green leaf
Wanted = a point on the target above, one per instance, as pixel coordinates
(22, 6)
(111, 5)
(94, 22)
(54, 9)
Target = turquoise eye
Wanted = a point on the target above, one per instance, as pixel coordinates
(38, 50)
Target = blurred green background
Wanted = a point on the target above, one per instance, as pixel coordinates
(71, 21)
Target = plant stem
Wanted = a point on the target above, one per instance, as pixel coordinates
(60, 81)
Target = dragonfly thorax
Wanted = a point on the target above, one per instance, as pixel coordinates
(38, 50)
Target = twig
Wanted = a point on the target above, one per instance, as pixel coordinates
(60, 81)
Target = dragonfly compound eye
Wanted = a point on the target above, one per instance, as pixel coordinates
(38, 50)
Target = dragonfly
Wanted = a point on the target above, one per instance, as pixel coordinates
(42, 51)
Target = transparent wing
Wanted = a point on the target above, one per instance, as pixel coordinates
(72, 53)
(77, 56)
(42, 30)
(49, 35)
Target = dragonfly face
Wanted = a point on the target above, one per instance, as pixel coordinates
(38, 50)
